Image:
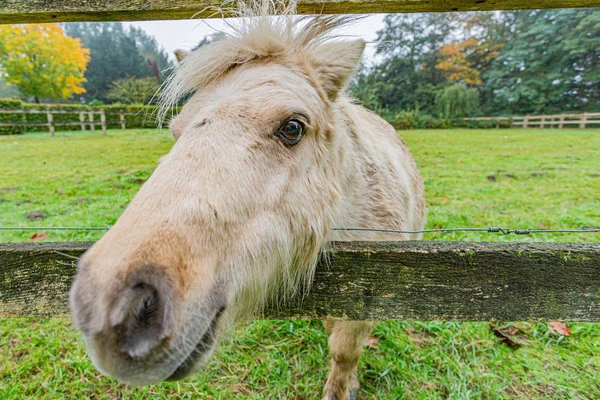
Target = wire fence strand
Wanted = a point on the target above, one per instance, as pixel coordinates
(505, 231)
(54, 228)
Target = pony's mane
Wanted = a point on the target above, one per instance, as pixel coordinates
(263, 29)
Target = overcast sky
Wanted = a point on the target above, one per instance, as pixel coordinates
(186, 34)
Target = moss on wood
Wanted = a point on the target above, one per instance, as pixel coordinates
(37, 11)
(374, 281)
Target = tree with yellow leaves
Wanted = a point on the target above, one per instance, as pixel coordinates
(455, 62)
(42, 61)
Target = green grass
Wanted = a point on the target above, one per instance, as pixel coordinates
(541, 178)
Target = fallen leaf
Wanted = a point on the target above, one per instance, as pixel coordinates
(559, 327)
(36, 215)
(60, 191)
(510, 335)
(38, 236)
(420, 339)
(371, 342)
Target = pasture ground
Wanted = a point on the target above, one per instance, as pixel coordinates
(512, 178)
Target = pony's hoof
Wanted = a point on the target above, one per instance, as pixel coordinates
(352, 395)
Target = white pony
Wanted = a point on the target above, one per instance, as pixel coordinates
(270, 154)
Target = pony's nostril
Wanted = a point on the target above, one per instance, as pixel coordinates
(142, 326)
(145, 307)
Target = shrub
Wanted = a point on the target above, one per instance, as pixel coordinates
(415, 120)
(132, 90)
(404, 120)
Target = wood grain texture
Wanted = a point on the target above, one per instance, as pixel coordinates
(373, 281)
(37, 11)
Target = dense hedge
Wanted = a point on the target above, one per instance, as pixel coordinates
(416, 120)
(143, 118)
(9, 104)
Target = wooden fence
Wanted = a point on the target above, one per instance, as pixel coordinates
(400, 280)
(86, 119)
(559, 121)
(373, 281)
(37, 11)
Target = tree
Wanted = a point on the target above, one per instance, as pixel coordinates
(407, 79)
(117, 53)
(364, 89)
(457, 101)
(550, 65)
(155, 56)
(132, 90)
(8, 91)
(456, 64)
(528, 61)
(42, 61)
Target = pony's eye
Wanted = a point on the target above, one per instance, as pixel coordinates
(291, 132)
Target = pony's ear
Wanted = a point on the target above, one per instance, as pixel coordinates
(335, 62)
(181, 54)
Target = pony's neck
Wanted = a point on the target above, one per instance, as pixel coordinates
(352, 165)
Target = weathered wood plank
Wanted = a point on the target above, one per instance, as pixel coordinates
(373, 280)
(36, 11)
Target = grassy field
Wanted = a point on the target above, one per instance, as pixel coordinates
(513, 178)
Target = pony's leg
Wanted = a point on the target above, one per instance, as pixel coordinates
(346, 342)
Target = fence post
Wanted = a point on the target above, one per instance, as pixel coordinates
(82, 120)
(525, 121)
(122, 119)
(561, 123)
(50, 122)
(583, 121)
(103, 121)
(91, 116)
(543, 123)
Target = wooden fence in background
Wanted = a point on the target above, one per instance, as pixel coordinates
(559, 121)
(92, 119)
(89, 119)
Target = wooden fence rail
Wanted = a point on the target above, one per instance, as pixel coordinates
(373, 281)
(37, 11)
(79, 118)
(547, 121)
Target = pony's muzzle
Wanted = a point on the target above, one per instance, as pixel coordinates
(136, 326)
(141, 319)
(133, 318)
